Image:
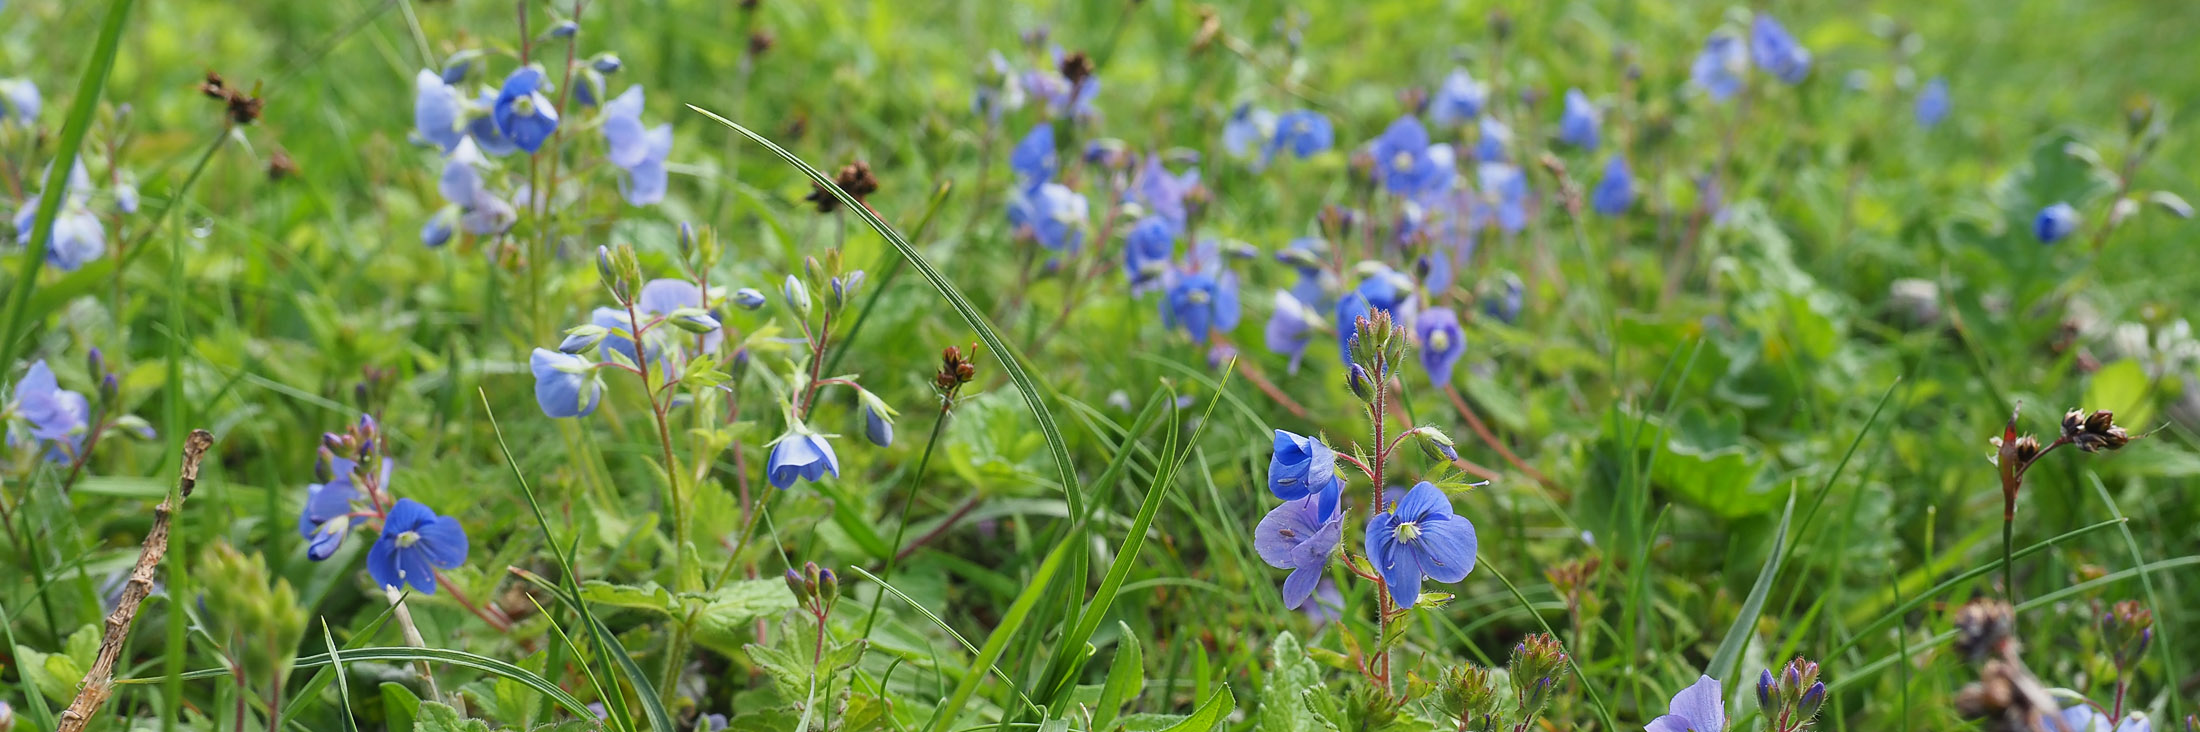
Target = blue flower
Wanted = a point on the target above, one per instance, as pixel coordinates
(637, 150)
(414, 544)
(1616, 191)
(658, 299)
(1290, 327)
(481, 213)
(1442, 343)
(1051, 214)
(439, 227)
(1299, 536)
(2055, 223)
(21, 101)
(1303, 467)
(326, 520)
(1492, 138)
(801, 455)
(1063, 99)
(588, 87)
(1506, 306)
(439, 112)
(78, 237)
(1698, 708)
(1303, 132)
(998, 91)
(2084, 718)
(565, 385)
(1147, 249)
(1246, 128)
(748, 298)
(1401, 156)
(1033, 159)
(1506, 189)
(877, 426)
(1932, 103)
(1458, 99)
(481, 125)
(1777, 52)
(1719, 69)
(1420, 538)
(1306, 254)
(1383, 289)
(521, 111)
(1202, 295)
(1163, 192)
(51, 414)
(1578, 127)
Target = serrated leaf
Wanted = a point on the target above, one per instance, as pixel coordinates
(727, 611)
(440, 717)
(645, 596)
(1293, 672)
(789, 675)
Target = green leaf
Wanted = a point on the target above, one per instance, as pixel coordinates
(1282, 707)
(1729, 656)
(399, 706)
(1210, 713)
(727, 612)
(1126, 678)
(2121, 387)
(440, 717)
(996, 644)
(788, 673)
(645, 596)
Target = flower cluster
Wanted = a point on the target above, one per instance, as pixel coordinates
(412, 546)
(62, 425)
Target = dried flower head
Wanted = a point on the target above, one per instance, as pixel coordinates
(1077, 67)
(854, 178)
(280, 165)
(955, 370)
(761, 42)
(1986, 626)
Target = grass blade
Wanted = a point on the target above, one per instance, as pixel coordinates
(1970, 574)
(409, 654)
(1018, 612)
(1010, 361)
(1728, 658)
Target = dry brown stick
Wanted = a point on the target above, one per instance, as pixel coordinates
(99, 681)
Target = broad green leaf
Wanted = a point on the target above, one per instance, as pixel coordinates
(1126, 678)
(645, 596)
(440, 717)
(399, 706)
(2121, 387)
(727, 612)
(1212, 712)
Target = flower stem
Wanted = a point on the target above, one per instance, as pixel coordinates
(1383, 600)
(909, 499)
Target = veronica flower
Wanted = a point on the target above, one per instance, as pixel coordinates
(1718, 70)
(439, 111)
(1776, 52)
(1147, 249)
(1616, 191)
(481, 125)
(588, 86)
(1303, 132)
(1033, 159)
(326, 520)
(45, 412)
(998, 91)
(801, 455)
(1163, 192)
(565, 385)
(78, 237)
(1578, 127)
(1442, 343)
(1290, 327)
(521, 111)
(1458, 99)
(1401, 156)
(1420, 538)
(20, 100)
(1932, 103)
(1299, 536)
(1506, 190)
(637, 150)
(1506, 306)
(1052, 214)
(1492, 139)
(1202, 295)
(659, 298)
(1246, 128)
(480, 212)
(1697, 708)
(414, 544)
(1304, 468)
(2055, 223)
(2084, 718)
(1306, 255)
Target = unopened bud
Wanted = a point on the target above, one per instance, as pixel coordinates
(1362, 385)
(582, 337)
(686, 239)
(608, 271)
(795, 585)
(692, 320)
(110, 387)
(748, 298)
(606, 64)
(796, 295)
(95, 363)
(1436, 445)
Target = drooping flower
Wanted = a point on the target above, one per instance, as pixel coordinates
(1033, 160)
(878, 425)
(1306, 255)
(1299, 536)
(1932, 103)
(2055, 223)
(1492, 139)
(1247, 127)
(1698, 708)
(1442, 342)
(1420, 538)
(1051, 214)
(522, 112)
(1303, 467)
(1147, 249)
(414, 544)
(1290, 327)
(1303, 132)
(439, 111)
(19, 101)
(801, 455)
(2084, 718)
(1616, 191)
(326, 520)
(1775, 51)
(1457, 100)
(1718, 70)
(78, 237)
(42, 411)
(1578, 126)
(1401, 156)
(565, 385)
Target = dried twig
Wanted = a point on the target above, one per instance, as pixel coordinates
(99, 681)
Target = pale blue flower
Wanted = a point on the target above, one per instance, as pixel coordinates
(1775, 51)
(1698, 708)
(439, 111)
(414, 544)
(1246, 128)
(801, 456)
(1303, 132)
(1578, 127)
(565, 385)
(1616, 191)
(2055, 223)
(1459, 99)
(1052, 215)
(1401, 156)
(1442, 343)
(1492, 139)
(1303, 468)
(41, 411)
(1719, 69)
(1932, 103)
(522, 112)
(1299, 536)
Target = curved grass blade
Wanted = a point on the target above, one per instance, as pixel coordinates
(950, 630)
(996, 644)
(1728, 659)
(343, 681)
(88, 90)
(2146, 581)
(1010, 361)
(1970, 574)
(408, 654)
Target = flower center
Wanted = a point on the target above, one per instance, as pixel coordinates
(1402, 161)
(409, 538)
(1197, 297)
(1408, 531)
(524, 106)
(1439, 341)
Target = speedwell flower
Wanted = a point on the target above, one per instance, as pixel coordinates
(1698, 708)
(326, 520)
(1932, 103)
(1457, 100)
(1442, 343)
(522, 112)
(1775, 51)
(1718, 70)
(1401, 156)
(565, 385)
(1578, 127)
(2055, 223)
(1420, 538)
(439, 111)
(414, 544)
(47, 413)
(1051, 214)
(1147, 249)
(1301, 537)
(1290, 327)
(1303, 132)
(1616, 191)
(1302, 467)
(801, 455)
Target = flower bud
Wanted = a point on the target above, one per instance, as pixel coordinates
(565, 29)
(692, 320)
(796, 295)
(1434, 444)
(748, 298)
(606, 63)
(795, 585)
(878, 419)
(1362, 386)
(110, 387)
(686, 239)
(95, 363)
(324, 465)
(608, 272)
(582, 337)
(828, 586)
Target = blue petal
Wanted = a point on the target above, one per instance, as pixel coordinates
(442, 542)
(382, 560)
(1447, 545)
(1425, 500)
(1285, 527)
(1701, 705)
